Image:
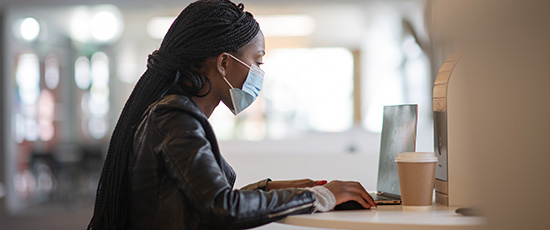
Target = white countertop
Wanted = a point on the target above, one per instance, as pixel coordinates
(388, 217)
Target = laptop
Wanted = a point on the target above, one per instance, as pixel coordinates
(398, 135)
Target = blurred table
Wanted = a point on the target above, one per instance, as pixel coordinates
(389, 217)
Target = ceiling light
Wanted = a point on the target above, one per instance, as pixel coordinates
(286, 25)
(29, 29)
(105, 26)
(102, 24)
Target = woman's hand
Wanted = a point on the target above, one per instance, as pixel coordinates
(350, 190)
(303, 183)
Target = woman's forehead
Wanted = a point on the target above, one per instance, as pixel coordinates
(255, 46)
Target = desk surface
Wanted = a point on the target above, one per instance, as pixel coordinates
(388, 217)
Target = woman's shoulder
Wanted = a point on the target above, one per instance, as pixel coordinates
(175, 111)
(170, 118)
(178, 102)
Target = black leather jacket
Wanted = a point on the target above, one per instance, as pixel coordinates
(179, 180)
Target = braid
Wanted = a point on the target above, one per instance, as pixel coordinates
(204, 29)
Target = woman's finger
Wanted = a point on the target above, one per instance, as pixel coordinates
(359, 199)
(369, 199)
(360, 190)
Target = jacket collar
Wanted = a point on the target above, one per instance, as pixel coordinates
(182, 102)
(186, 104)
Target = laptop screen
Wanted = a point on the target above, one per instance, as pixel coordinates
(398, 135)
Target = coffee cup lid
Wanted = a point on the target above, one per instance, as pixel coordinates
(416, 157)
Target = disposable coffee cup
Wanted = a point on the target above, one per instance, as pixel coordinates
(416, 178)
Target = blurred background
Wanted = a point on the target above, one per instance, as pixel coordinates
(67, 68)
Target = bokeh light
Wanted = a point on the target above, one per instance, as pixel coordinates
(30, 28)
(51, 72)
(82, 72)
(97, 24)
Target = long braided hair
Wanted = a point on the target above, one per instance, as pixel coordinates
(203, 29)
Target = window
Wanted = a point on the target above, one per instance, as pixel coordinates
(306, 89)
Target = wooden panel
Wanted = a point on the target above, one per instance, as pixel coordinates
(442, 78)
(441, 83)
(357, 92)
(441, 186)
(440, 105)
(440, 91)
(448, 66)
(441, 198)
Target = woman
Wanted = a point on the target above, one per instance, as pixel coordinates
(163, 168)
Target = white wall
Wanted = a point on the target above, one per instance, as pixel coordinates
(318, 156)
(254, 167)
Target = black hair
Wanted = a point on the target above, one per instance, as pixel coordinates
(205, 28)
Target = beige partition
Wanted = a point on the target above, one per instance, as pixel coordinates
(455, 179)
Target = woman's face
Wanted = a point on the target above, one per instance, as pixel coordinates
(252, 54)
(235, 72)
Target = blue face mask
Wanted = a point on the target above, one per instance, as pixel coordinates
(251, 88)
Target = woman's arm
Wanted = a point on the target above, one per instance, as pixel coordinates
(269, 184)
(190, 161)
(302, 183)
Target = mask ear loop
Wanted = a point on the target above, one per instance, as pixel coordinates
(227, 82)
(239, 60)
(252, 68)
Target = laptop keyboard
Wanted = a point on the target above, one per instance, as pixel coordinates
(376, 197)
(380, 197)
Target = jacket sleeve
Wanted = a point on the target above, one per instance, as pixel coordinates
(260, 185)
(190, 161)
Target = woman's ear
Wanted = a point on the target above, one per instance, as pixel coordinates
(221, 64)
